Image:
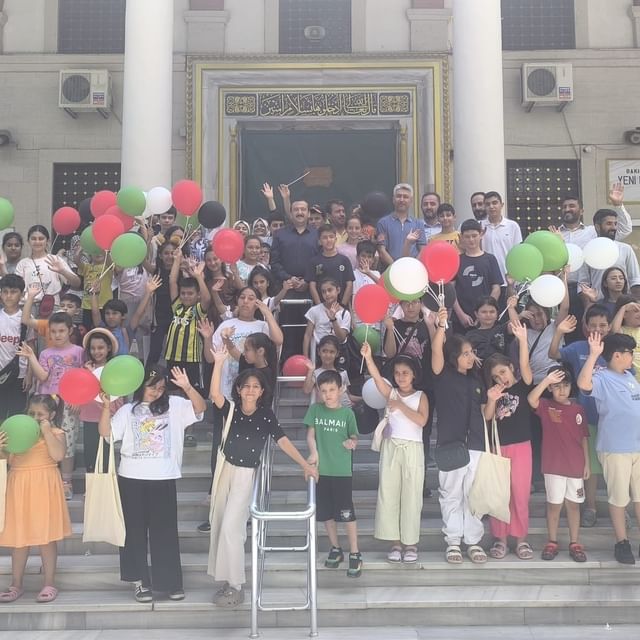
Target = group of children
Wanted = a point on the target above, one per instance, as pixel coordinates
(215, 322)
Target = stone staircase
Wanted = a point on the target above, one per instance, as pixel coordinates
(506, 592)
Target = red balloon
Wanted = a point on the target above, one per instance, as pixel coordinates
(101, 201)
(442, 261)
(371, 303)
(295, 366)
(78, 386)
(392, 298)
(186, 196)
(66, 220)
(106, 229)
(127, 221)
(228, 245)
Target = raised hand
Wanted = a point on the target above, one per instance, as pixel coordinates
(180, 378)
(284, 190)
(364, 264)
(227, 333)
(25, 351)
(219, 354)
(197, 269)
(365, 350)
(567, 325)
(153, 283)
(616, 194)
(512, 302)
(55, 263)
(310, 366)
(495, 393)
(33, 290)
(263, 307)
(554, 377)
(413, 236)
(332, 311)
(218, 284)
(443, 317)
(519, 330)
(596, 346)
(589, 292)
(267, 191)
(205, 328)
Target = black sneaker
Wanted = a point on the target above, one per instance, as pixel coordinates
(355, 565)
(622, 552)
(142, 594)
(334, 558)
(190, 441)
(204, 527)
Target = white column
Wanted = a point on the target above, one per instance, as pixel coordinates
(148, 94)
(478, 121)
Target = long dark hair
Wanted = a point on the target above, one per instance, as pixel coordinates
(259, 375)
(38, 228)
(260, 270)
(260, 340)
(98, 336)
(153, 375)
(603, 282)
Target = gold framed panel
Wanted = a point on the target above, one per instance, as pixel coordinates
(440, 138)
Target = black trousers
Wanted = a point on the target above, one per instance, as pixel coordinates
(156, 342)
(150, 511)
(90, 441)
(13, 399)
(576, 308)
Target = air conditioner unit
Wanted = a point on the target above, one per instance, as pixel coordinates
(547, 84)
(85, 90)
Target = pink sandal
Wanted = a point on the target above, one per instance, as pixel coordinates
(48, 594)
(11, 594)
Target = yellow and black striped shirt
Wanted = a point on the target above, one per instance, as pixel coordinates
(183, 340)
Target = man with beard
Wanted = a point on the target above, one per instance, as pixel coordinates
(398, 233)
(477, 206)
(429, 204)
(337, 217)
(575, 231)
(605, 222)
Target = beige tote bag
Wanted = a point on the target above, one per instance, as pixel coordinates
(220, 459)
(3, 491)
(103, 518)
(491, 489)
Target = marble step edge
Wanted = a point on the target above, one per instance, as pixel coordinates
(354, 598)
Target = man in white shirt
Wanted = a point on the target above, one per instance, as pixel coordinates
(605, 222)
(500, 233)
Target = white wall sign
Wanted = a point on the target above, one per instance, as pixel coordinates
(627, 172)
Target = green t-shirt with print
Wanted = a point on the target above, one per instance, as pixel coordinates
(332, 428)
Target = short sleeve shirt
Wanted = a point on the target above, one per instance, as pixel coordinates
(10, 326)
(152, 445)
(476, 276)
(392, 232)
(617, 397)
(513, 414)
(486, 342)
(57, 361)
(337, 267)
(564, 427)
(247, 434)
(322, 326)
(332, 427)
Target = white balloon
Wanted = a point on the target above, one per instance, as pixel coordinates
(372, 397)
(98, 373)
(159, 200)
(601, 253)
(547, 290)
(408, 276)
(576, 258)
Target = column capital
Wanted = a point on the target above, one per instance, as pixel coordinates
(635, 17)
(429, 29)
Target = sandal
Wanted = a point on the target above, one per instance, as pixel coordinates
(576, 551)
(410, 555)
(550, 551)
(394, 555)
(230, 597)
(498, 550)
(453, 554)
(476, 554)
(48, 594)
(524, 551)
(11, 594)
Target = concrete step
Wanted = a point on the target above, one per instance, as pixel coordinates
(101, 572)
(355, 605)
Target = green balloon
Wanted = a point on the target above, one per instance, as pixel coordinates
(552, 247)
(395, 293)
(524, 262)
(7, 214)
(132, 201)
(22, 432)
(122, 375)
(128, 250)
(372, 335)
(88, 243)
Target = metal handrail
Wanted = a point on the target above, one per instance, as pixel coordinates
(261, 516)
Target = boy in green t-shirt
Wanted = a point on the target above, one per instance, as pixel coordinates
(332, 436)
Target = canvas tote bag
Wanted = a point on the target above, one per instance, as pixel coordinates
(103, 517)
(3, 491)
(491, 489)
(220, 459)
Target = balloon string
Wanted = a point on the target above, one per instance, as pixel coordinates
(104, 273)
(104, 264)
(441, 300)
(187, 238)
(304, 175)
(520, 289)
(366, 334)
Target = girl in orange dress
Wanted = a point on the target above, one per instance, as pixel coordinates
(36, 512)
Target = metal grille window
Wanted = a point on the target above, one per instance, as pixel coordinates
(315, 26)
(538, 24)
(91, 26)
(72, 183)
(536, 188)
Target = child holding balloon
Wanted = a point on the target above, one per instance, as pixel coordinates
(36, 513)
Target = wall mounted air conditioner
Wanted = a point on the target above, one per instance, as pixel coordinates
(85, 90)
(547, 84)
